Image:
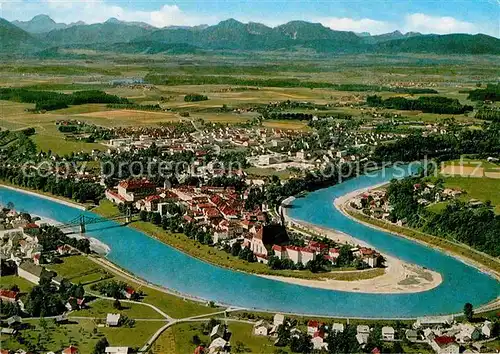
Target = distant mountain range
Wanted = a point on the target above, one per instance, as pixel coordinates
(43, 35)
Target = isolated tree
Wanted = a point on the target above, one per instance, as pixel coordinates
(100, 346)
(117, 305)
(468, 311)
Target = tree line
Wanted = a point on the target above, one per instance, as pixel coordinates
(162, 79)
(490, 93)
(79, 191)
(49, 100)
(435, 104)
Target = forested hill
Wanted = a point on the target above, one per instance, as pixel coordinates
(129, 37)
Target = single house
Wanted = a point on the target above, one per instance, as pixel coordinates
(218, 344)
(388, 333)
(278, 319)
(8, 295)
(487, 328)
(313, 327)
(318, 341)
(218, 331)
(70, 350)
(112, 319)
(411, 335)
(261, 328)
(337, 327)
(30, 271)
(362, 334)
(116, 350)
(444, 345)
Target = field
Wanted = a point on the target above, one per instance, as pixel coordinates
(100, 307)
(483, 190)
(55, 338)
(449, 79)
(83, 334)
(128, 117)
(79, 269)
(479, 179)
(6, 281)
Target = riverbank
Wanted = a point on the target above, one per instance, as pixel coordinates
(397, 277)
(461, 252)
(45, 195)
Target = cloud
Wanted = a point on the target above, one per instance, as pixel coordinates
(95, 11)
(362, 25)
(419, 22)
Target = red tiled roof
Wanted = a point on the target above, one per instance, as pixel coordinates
(136, 184)
(116, 195)
(70, 350)
(31, 226)
(375, 351)
(152, 197)
(199, 350)
(278, 248)
(443, 340)
(9, 294)
(313, 323)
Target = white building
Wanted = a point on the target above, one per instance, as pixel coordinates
(278, 319)
(338, 327)
(487, 328)
(112, 319)
(117, 350)
(388, 333)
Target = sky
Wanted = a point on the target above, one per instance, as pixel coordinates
(374, 16)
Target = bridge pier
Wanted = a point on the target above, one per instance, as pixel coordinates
(82, 224)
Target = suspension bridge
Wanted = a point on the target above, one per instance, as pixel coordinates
(82, 221)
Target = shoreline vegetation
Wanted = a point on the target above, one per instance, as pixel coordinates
(466, 254)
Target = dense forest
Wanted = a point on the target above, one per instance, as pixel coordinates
(490, 93)
(436, 104)
(477, 227)
(48, 100)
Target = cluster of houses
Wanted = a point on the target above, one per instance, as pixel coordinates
(19, 243)
(222, 212)
(375, 203)
(446, 336)
(428, 193)
(441, 333)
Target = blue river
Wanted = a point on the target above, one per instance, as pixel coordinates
(165, 266)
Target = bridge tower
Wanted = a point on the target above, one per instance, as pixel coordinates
(82, 224)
